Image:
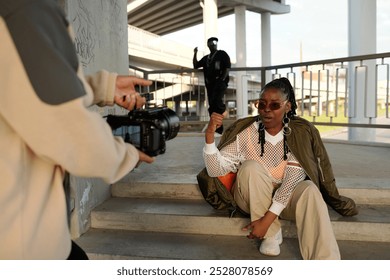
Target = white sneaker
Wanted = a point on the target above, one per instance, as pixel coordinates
(270, 245)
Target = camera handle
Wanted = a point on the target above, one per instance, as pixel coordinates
(148, 96)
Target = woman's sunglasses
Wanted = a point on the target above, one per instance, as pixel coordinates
(261, 105)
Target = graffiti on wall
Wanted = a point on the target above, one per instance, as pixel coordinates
(100, 29)
(85, 32)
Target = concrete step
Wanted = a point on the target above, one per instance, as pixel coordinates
(190, 190)
(195, 216)
(104, 244)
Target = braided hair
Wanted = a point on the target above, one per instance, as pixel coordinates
(287, 91)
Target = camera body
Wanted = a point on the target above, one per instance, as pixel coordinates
(147, 129)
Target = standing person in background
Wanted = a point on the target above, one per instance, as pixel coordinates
(46, 129)
(283, 170)
(216, 67)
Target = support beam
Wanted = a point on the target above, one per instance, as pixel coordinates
(210, 20)
(241, 92)
(266, 44)
(362, 79)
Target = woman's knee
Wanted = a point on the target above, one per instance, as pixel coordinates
(252, 175)
(309, 192)
(311, 189)
(250, 166)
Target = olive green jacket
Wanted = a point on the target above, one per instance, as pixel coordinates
(306, 145)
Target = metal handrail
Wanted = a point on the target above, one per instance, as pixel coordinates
(274, 67)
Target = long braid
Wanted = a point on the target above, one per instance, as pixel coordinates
(261, 131)
(261, 137)
(286, 130)
(285, 147)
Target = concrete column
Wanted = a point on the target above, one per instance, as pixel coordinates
(203, 112)
(239, 12)
(266, 44)
(210, 20)
(241, 92)
(101, 43)
(362, 79)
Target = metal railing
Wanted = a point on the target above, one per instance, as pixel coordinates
(322, 89)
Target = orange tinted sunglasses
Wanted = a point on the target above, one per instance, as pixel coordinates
(261, 105)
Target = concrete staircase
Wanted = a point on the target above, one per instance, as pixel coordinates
(171, 220)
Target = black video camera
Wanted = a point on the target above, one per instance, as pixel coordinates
(147, 129)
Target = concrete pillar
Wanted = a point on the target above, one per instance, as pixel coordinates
(266, 44)
(203, 112)
(101, 43)
(177, 108)
(210, 20)
(239, 12)
(361, 41)
(241, 92)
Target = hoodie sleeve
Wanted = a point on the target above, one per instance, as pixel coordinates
(103, 85)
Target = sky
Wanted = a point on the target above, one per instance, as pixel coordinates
(318, 27)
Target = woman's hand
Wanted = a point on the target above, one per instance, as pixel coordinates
(258, 228)
(214, 122)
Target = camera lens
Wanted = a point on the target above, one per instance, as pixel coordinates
(169, 122)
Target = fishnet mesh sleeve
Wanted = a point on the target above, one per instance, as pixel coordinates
(222, 162)
(292, 176)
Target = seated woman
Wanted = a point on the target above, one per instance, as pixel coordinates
(283, 171)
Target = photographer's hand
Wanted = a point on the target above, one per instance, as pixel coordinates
(125, 94)
(144, 158)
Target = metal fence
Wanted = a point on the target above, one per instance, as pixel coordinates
(330, 92)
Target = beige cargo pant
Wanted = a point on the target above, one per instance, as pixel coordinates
(253, 193)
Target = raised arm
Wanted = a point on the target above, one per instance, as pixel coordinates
(195, 61)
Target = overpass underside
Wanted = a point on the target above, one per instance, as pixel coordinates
(164, 17)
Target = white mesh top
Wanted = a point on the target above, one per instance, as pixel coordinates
(287, 173)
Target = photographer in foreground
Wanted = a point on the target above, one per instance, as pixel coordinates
(283, 170)
(47, 129)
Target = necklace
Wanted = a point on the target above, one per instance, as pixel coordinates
(210, 58)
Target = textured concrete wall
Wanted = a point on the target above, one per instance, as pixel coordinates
(100, 28)
(101, 33)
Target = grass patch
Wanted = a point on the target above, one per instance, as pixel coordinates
(339, 119)
(323, 118)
